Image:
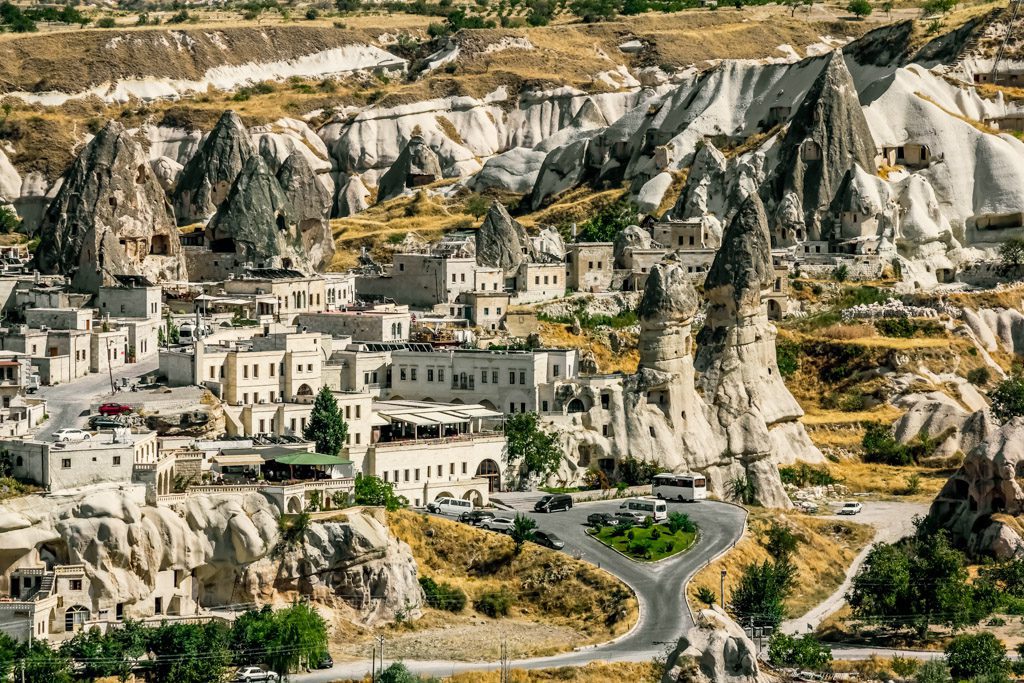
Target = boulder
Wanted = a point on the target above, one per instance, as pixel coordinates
(167, 172)
(715, 650)
(502, 242)
(257, 222)
(416, 166)
(514, 171)
(209, 175)
(353, 197)
(310, 201)
(110, 218)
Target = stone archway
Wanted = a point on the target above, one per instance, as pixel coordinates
(487, 404)
(304, 390)
(444, 494)
(75, 617)
(489, 469)
(294, 505)
(774, 310)
(475, 497)
(576, 406)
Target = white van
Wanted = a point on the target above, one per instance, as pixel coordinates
(449, 506)
(651, 507)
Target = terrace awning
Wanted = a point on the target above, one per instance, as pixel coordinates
(237, 459)
(311, 459)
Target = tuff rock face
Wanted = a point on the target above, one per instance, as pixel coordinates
(110, 218)
(738, 374)
(715, 650)
(501, 241)
(310, 200)
(982, 503)
(225, 541)
(827, 136)
(417, 165)
(353, 197)
(633, 237)
(257, 221)
(207, 178)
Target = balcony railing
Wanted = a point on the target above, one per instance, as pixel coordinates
(477, 437)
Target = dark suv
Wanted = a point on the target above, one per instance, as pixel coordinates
(553, 502)
(476, 517)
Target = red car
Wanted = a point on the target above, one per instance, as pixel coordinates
(108, 409)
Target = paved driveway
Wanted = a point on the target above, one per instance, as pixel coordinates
(659, 588)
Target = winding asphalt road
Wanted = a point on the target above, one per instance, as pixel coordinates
(664, 616)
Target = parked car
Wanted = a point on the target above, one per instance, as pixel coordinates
(327, 662)
(101, 422)
(602, 519)
(502, 524)
(548, 540)
(255, 673)
(69, 434)
(108, 409)
(807, 506)
(449, 506)
(476, 517)
(851, 509)
(553, 502)
(630, 517)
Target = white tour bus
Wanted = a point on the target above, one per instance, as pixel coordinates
(689, 487)
(651, 507)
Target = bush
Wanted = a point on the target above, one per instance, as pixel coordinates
(781, 542)
(881, 446)
(932, 671)
(976, 654)
(859, 8)
(105, 22)
(806, 475)
(896, 327)
(640, 548)
(787, 357)
(1008, 398)
(841, 274)
(979, 376)
(312, 13)
(707, 596)
(494, 603)
(803, 652)
(442, 595)
(680, 521)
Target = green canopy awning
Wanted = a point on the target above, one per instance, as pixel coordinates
(311, 459)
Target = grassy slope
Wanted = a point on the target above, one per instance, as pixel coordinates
(827, 549)
(584, 603)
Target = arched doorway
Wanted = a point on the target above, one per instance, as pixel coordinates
(576, 406)
(304, 390)
(489, 469)
(487, 404)
(444, 494)
(474, 496)
(774, 310)
(294, 505)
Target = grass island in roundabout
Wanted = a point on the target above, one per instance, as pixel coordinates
(649, 542)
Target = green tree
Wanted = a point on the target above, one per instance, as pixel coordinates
(528, 447)
(398, 673)
(1011, 253)
(801, 652)
(327, 428)
(299, 638)
(976, 654)
(98, 655)
(915, 584)
(607, 223)
(759, 599)
(189, 653)
(370, 490)
(859, 8)
(938, 6)
(477, 205)
(9, 650)
(887, 8)
(291, 533)
(38, 661)
(781, 542)
(880, 445)
(707, 596)
(680, 521)
(742, 489)
(106, 22)
(1007, 398)
(592, 11)
(933, 671)
(787, 357)
(523, 529)
(251, 632)
(9, 221)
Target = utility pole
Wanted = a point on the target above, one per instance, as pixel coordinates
(722, 589)
(504, 662)
(373, 665)
(110, 368)
(380, 641)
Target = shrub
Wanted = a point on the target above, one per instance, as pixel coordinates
(1008, 398)
(680, 521)
(932, 671)
(841, 274)
(105, 22)
(896, 327)
(442, 595)
(641, 548)
(802, 652)
(979, 376)
(312, 13)
(859, 8)
(494, 603)
(707, 596)
(787, 357)
(976, 654)
(781, 542)
(806, 475)
(882, 447)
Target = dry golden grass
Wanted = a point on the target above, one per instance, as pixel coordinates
(596, 672)
(889, 481)
(550, 586)
(574, 206)
(827, 548)
(557, 335)
(983, 127)
(848, 332)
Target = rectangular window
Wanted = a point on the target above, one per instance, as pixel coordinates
(536, 280)
(463, 468)
(255, 371)
(511, 407)
(358, 410)
(451, 468)
(117, 461)
(412, 373)
(406, 475)
(522, 376)
(417, 473)
(512, 377)
(545, 279)
(245, 398)
(263, 426)
(430, 374)
(213, 373)
(554, 279)
(453, 277)
(273, 395)
(600, 265)
(309, 367)
(498, 310)
(298, 367)
(366, 378)
(348, 412)
(65, 464)
(245, 371)
(494, 376)
(544, 406)
(483, 377)
(555, 369)
(272, 368)
(385, 475)
(440, 374)
(293, 425)
(76, 584)
(463, 278)
(358, 438)
(487, 311)
(401, 267)
(522, 407)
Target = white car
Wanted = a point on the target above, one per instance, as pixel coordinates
(254, 673)
(850, 509)
(502, 524)
(71, 435)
